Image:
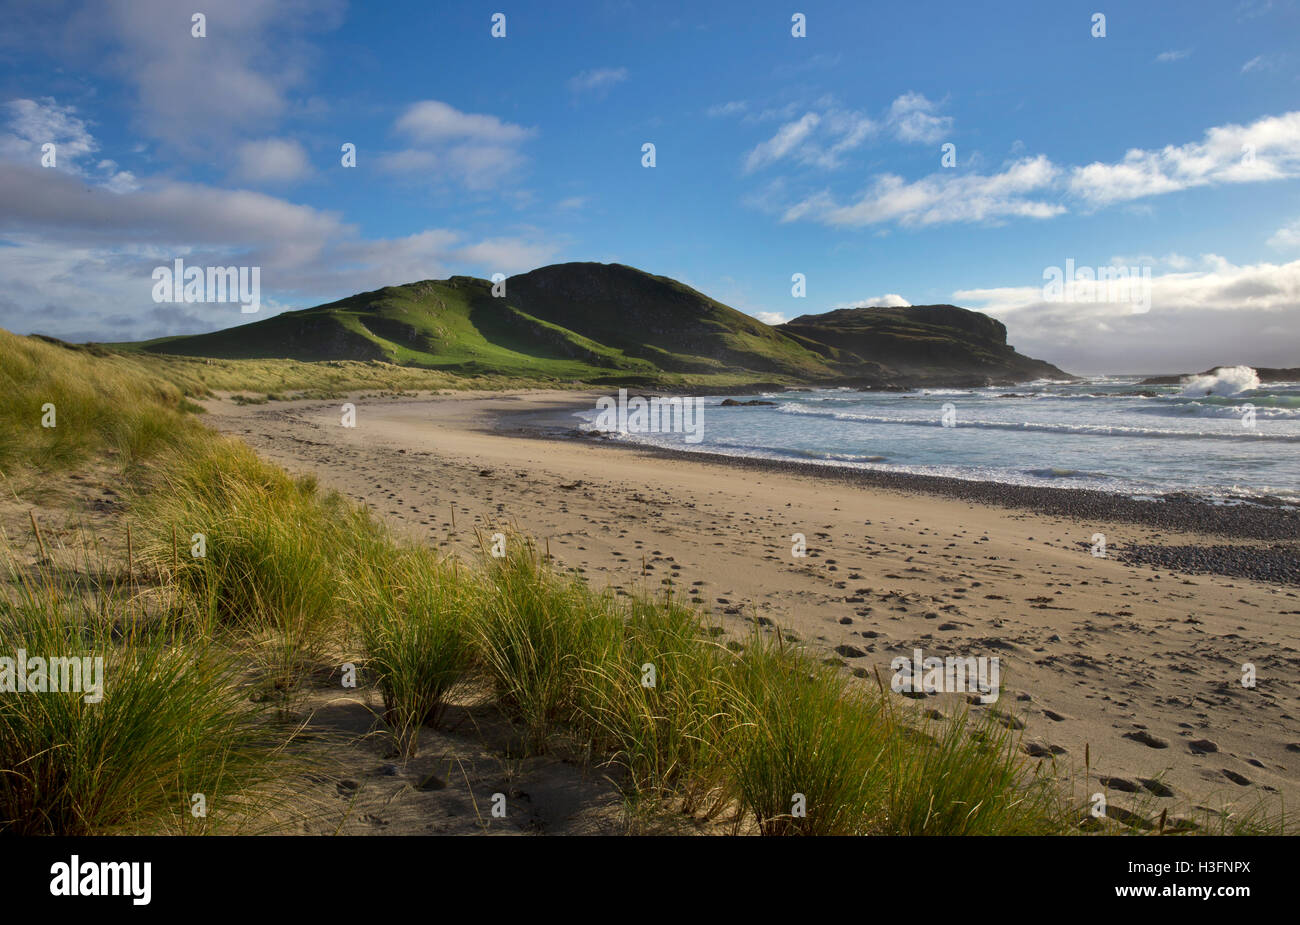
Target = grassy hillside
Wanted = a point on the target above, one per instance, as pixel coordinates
(927, 342)
(453, 325)
(660, 320)
(608, 323)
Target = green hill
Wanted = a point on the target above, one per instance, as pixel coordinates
(929, 343)
(605, 323)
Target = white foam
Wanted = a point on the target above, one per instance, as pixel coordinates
(1227, 380)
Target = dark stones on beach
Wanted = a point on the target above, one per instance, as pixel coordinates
(732, 403)
(849, 651)
(1278, 563)
(1202, 746)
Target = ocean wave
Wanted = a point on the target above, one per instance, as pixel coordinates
(1227, 380)
(1097, 430)
(1131, 485)
(1282, 408)
(1055, 473)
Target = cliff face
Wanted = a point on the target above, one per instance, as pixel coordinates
(924, 343)
(609, 322)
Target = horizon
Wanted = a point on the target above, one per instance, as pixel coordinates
(775, 155)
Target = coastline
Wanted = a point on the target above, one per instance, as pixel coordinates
(1266, 519)
(1138, 665)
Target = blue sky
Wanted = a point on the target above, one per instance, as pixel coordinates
(1171, 143)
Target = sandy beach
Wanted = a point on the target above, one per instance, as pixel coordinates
(1139, 665)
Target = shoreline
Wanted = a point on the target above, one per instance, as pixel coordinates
(1265, 519)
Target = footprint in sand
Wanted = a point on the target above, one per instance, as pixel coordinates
(1147, 739)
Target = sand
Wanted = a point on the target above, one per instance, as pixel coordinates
(1141, 666)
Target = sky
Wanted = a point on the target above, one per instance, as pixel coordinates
(904, 153)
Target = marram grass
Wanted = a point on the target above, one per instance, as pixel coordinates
(174, 732)
(413, 616)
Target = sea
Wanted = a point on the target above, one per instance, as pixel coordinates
(1224, 437)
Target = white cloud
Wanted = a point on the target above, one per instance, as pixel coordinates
(824, 133)
(478, 150)
(81, 256)
(912, 118)
(770, 317)
(782, 113)
(271, 160)
(160, 211)
(33, 124)
(888, 300)
(1166, 57)
(1218, 313)
(1261, 63)
(597, 80)
(787, 138)
(939, 198)
(191, 92)
(1267, 149)
(1287, 237)
(1029, 187)
(850, 129)
(506, 255)
(435, 121)
(818, 140)
(727, 109)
